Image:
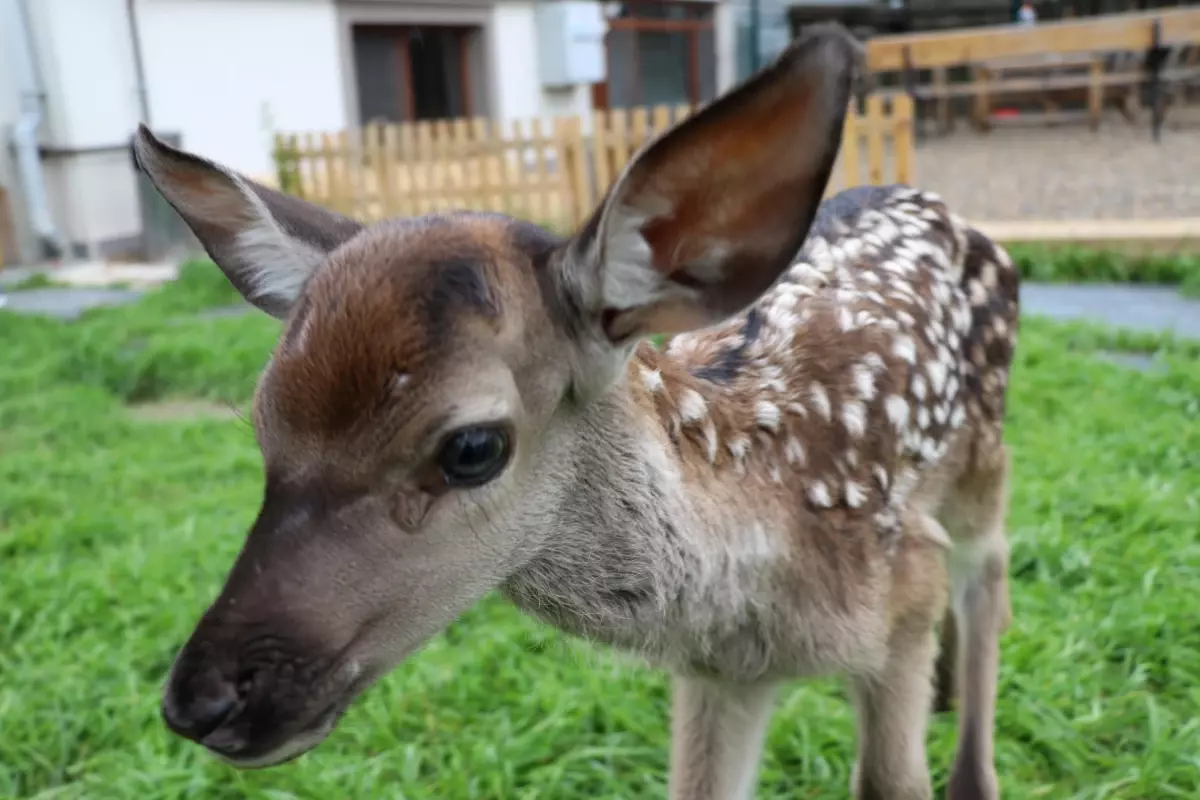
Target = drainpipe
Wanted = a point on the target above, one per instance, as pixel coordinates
(14, 21)
(138, 68)
(755, 35)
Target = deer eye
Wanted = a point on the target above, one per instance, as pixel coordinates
(473, 456)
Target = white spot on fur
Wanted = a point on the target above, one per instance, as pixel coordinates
(794, 451)
(766, 414)
(856, 495)
(936, 370)
(897, 411)
(652, 378)
(987, 275)
(738, 447)
(918, 387)
(881, 476)
(957, 416)
(976, 292)
(903, 485)
(692, 407)
(904, 347)
(854, 417)
(820, 401)
(864, 381)
(710, 440)
(818, 494)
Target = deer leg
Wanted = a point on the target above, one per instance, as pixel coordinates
(979, 596)
(717, 738)
(893, 711)
(944, 680)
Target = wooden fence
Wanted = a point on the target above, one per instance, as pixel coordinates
(553, 173)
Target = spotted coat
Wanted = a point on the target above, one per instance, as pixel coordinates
(891, 334)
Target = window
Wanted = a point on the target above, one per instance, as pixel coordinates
(659, 52)
(408, 73)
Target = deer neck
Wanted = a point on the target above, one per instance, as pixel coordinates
(641, 556)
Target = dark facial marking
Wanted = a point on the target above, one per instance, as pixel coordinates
(458, 285)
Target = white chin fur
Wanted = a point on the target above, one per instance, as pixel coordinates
(288, 750)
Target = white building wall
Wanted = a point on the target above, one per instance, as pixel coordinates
(94, 72)
(226, 74)
(84, 57)
(517, 86)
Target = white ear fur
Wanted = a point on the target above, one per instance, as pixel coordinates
(278, 266)
(267, 243)
(707, 215)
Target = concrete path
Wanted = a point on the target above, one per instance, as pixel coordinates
(1144, 308)
(63, 303)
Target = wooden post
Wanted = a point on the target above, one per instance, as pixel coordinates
(376, 180)
(902, 139)
(941, 89)
(850, 157)
(875, 126)
(601, 121)
(574, 163)
(910, 81)
(1155, 57)
(1095, 92)
(982, 76)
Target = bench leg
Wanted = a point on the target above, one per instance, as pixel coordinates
(1128, 104)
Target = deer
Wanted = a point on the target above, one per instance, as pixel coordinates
(807, 476)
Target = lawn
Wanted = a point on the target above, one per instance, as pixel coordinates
(117, 526)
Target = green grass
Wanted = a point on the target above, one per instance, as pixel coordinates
(115, 533)
(1080, 264)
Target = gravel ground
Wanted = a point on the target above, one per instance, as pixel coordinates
(1067, 171)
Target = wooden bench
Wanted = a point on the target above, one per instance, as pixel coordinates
(1044, 78)
(1102, 80)
(1153, 37)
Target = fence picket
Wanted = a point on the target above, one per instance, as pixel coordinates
(902, 137)
(875, 127)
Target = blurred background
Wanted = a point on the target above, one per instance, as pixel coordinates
(1069, 130)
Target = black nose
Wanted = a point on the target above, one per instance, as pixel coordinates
(195, 708)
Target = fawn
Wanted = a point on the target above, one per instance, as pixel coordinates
(807, 479)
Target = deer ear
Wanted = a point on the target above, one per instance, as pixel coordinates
(708, 215)
(267, 243)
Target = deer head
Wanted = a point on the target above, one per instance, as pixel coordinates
(420, 420)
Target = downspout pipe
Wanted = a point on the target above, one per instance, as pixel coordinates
(15, 22)
(139, 67)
